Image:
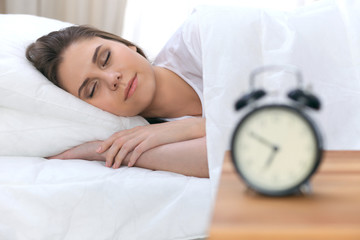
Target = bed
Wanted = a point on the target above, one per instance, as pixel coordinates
(77, 199)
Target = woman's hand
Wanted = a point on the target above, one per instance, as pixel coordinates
(84, 151)
(143, 138)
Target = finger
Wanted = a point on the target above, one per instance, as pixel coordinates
(140, 149)
(106, 144)
(125, 149)
(110, 155)
(121, 147)
(123, 136)
(113, 150)
(144, 146)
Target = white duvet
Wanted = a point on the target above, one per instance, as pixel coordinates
(322, 40)
(77, 199)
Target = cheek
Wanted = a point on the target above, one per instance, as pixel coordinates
(106, 103)
(113, 104)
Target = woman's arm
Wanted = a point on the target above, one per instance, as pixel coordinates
(185, 157)
(177, 146)
(140, 139)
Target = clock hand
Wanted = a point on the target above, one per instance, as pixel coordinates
(267, 143)
(262, 140)
(271, 157)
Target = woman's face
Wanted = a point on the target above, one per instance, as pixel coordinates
(108, 75)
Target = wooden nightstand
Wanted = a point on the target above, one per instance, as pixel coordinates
(331, 212)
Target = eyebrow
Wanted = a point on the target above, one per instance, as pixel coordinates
(88, 79)
(96, 53)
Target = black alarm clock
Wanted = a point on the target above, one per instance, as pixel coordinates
(276, 148)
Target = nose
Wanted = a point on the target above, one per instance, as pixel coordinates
(113, 80)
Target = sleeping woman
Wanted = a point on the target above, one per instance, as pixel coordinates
(114, 75)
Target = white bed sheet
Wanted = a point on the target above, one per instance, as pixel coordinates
(77, 199)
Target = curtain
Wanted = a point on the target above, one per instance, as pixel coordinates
(104, 14)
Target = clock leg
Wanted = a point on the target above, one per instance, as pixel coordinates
(306, 188)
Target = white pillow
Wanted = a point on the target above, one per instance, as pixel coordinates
(36, 117)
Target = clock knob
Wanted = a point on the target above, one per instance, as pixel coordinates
(248, 98)
(307, 99)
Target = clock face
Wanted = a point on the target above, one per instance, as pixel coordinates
(275, 149)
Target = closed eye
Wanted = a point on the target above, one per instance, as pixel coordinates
(107, 58)
(92, 90)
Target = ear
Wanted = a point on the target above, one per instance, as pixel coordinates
(133, 48)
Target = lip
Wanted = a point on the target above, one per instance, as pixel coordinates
(131, 87)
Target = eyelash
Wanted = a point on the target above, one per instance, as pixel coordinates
(92, 90)
(107, 58)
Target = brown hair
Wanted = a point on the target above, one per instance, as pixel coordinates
(46, 52)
